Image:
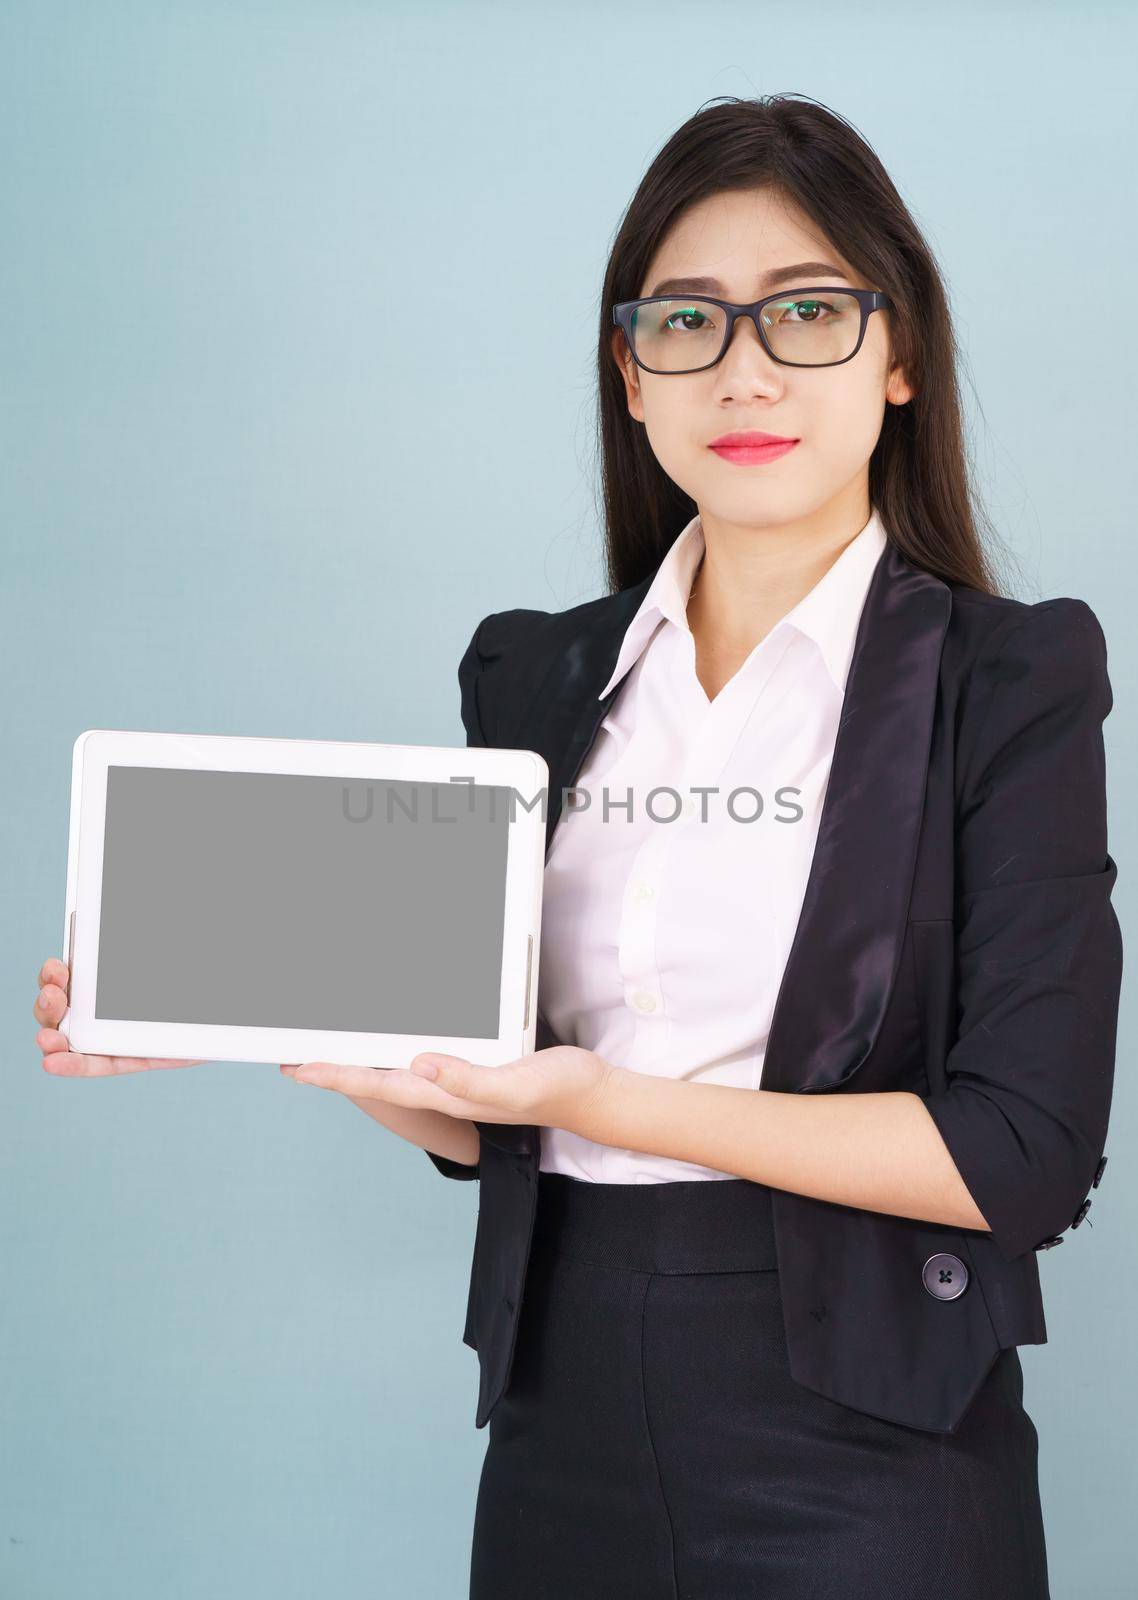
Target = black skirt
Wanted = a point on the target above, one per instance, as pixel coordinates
(652, 1444)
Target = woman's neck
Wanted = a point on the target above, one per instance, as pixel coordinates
(742, 589)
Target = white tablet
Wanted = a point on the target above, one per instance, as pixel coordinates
(247, 899)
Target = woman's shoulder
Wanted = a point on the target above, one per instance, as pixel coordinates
(991, 633)
(1016, 668)
(503, 631)
(511, 651)
(531, 637)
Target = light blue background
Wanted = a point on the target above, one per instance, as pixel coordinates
(297, 323)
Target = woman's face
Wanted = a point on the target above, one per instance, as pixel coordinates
(834, 412)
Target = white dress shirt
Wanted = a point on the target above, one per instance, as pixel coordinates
(666, 927)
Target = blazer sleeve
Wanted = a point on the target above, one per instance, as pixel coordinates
(1029, 1079)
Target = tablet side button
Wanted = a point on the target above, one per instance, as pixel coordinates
(529, 967)
(71, 945)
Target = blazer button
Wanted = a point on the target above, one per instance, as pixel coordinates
(1081, 1213)
(1097, 1179)
(945, 1277)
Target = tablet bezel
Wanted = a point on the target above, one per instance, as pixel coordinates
(97, 749)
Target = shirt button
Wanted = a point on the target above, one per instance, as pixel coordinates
(643, 891)
(644, 1001)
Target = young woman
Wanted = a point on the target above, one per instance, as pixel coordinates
(830, 972)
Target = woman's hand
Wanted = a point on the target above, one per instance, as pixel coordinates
(562, 1087)
(58, 1057)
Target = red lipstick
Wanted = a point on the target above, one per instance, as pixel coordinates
(752, 447)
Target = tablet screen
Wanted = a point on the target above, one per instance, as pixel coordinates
(286, 900)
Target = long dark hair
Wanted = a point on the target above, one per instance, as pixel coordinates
(919, 473)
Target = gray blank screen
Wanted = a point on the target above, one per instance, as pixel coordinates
(289, 901)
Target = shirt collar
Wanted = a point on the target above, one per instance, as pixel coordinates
(828, 613)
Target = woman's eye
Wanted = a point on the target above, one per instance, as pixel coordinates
(812, 309)
(686, 316)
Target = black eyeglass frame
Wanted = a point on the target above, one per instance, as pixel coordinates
(870, 300)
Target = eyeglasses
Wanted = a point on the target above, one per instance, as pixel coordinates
(810, 327)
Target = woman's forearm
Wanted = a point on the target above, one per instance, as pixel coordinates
(879, 1152)
(451, 1137)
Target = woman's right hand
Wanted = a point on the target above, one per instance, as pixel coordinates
(58, 1057)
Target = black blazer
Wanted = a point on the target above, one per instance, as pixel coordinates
(956, 940)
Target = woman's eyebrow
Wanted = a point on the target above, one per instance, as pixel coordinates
(799, 269)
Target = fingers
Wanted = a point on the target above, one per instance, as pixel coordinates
(50, 1004)
(51, 1001)
(65, 1063)
(54, 971)
(396, 1085)
(58, 1057)
(62, 1062)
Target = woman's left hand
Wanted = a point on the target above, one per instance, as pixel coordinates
(562, 1087)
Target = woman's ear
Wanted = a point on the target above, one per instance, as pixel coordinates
(629, 371)
(898, 390)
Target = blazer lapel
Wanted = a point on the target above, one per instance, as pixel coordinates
(847, 946)
(846, 950)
